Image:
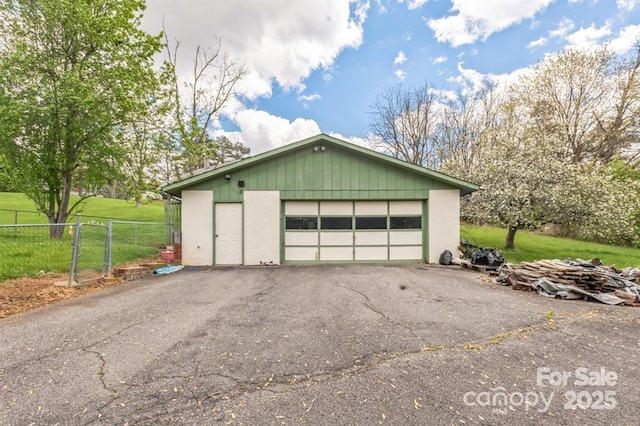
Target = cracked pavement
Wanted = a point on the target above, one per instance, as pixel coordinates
(327, 344)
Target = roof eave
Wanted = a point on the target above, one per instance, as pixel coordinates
(176, 187)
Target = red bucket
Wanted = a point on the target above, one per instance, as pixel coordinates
(166, 255)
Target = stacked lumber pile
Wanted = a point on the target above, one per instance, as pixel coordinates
(578, 276)
(587, 278)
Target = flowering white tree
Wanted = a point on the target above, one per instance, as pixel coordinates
(519, 177)
(527, 182)
(588, 100)
(600, 206)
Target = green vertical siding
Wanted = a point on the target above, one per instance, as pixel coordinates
(336, 173)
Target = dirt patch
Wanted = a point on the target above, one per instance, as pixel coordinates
(24, 294)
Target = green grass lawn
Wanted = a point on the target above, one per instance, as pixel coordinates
(98, 207)
(531, 246)
(28, 251)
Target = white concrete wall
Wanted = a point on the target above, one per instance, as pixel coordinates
(444, 222)
(197, 228)
(261, 227)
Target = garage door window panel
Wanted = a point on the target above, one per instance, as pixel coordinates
(336, 222)
(371, 222)
(405, 222)
(300, 223)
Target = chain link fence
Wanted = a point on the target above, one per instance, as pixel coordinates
(15, 217)
(90, 252)
(84, 250)
(28, 250)
(132, 240)
(98, 247)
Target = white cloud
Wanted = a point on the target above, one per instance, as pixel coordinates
(588, 38)
(262, 131)
(471, 81)
(366, 142)
(626, 39)
(562, 29)
(415, 4)
(439, 60)
(445, 95)
(400, 74)
(479, 19)
(400, 58)
(281, 40)
(627, 4)
(537, 43)
(309, 98)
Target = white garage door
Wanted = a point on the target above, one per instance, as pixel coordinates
(353, 230)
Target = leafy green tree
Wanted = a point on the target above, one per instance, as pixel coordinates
(140, 168)
(5, 185)
(72, 73)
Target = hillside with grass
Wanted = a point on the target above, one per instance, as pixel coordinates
(531, 246)
(91, 208)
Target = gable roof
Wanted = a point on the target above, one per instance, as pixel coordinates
(176, 187)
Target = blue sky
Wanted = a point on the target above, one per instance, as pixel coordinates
(317, 65)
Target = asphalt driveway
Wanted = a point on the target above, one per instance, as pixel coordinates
(356, 344)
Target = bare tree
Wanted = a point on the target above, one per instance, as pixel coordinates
(468, 123)
(200, 100)
(405, 125)
(618, 133)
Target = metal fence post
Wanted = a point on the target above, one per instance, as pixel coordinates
(166, 221)
(74, 251)
(107, 248)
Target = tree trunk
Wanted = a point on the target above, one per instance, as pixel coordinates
(56, 232)
(511, 235)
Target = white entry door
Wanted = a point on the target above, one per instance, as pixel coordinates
(229, 234)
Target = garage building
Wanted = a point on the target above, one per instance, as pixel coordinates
(318, 200)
